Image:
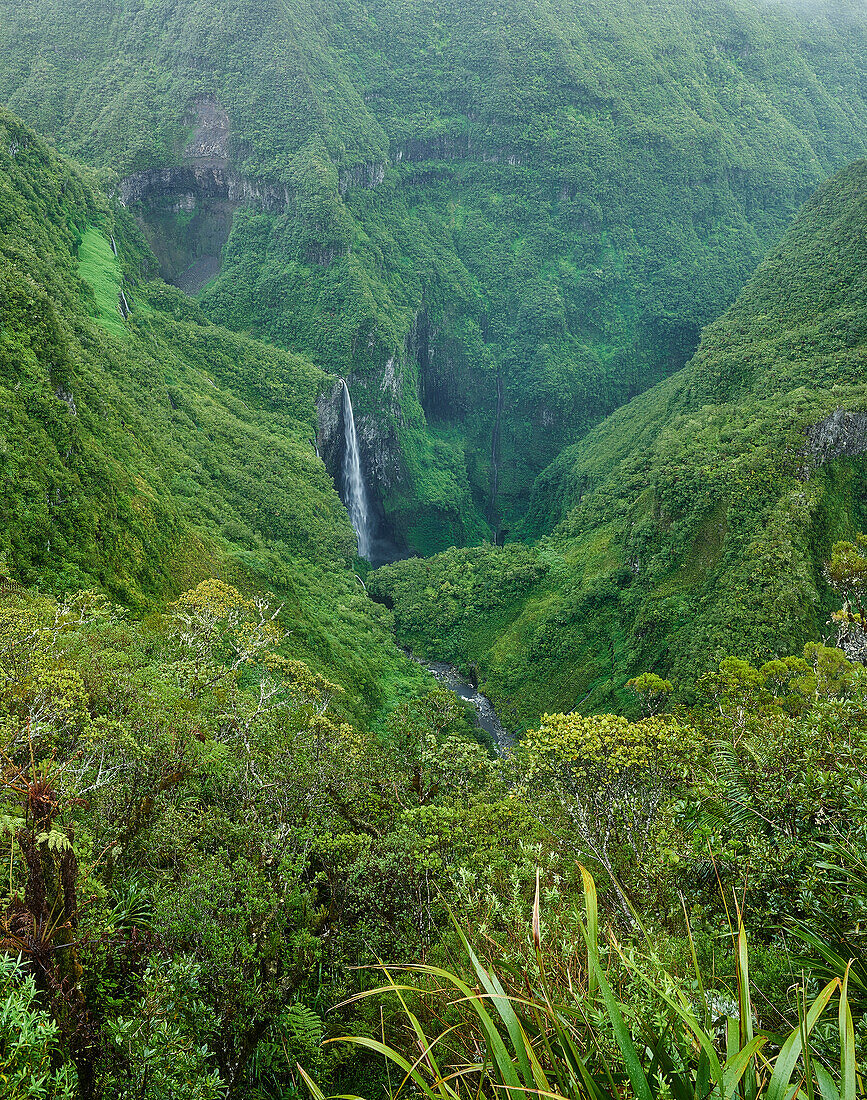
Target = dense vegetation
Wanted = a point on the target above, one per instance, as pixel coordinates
(227, 797)
(695, 518)
(200, 849)
(144, 455)
(569, 193)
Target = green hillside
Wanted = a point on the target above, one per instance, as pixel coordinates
(694, 522)
(529, 211)
(143, 455)
(594, 274)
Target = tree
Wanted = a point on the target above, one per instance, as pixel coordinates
(609, 777)
(651, 691)
(846, 572)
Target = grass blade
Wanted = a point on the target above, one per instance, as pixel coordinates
(591, 906)
(847, 1043)
(637, 1078)
(790, 1051)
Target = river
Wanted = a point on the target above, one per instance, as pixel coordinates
(486, 716)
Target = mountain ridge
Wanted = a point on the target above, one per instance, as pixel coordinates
(144, 454)
(565, 195)
(696, 519)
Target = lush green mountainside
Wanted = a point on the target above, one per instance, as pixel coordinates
(695, 520)
(143, 455)
(500, 221)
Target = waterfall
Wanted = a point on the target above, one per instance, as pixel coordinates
(353, 481)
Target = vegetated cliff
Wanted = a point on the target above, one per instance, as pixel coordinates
(533, 208)
(695, 520)
(142, 453)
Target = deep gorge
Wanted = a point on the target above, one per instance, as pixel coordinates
(433, 549)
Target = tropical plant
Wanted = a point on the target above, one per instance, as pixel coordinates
(537, 1042)
(28, 1041)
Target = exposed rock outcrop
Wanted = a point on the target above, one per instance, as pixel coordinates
(367, 176)
(377, 438)
(210, 141)
(454, 147)
(186, 210)
(852, 637)
(187, 185)
(206, 171)
(379, 448)
(842, 434)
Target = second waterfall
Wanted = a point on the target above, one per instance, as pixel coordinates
(354, 490)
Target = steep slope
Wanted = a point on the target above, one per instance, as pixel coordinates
(140, 454)
(695, 520)
(501, 221)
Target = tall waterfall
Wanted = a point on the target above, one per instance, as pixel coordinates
(353, 481)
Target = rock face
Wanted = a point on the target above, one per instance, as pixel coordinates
(381, 460)
(206, 172)
(455, 147)
(210, 141)
(377, 439)
(186, 210)
(367, 176)
(841, 434)
(329, 408)
(186, 186)
(852, 639)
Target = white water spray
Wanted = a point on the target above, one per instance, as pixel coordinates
(353, 481)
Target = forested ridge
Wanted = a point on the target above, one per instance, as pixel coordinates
(532, 210)
(595, 278)
(697, 516)
(143, 455)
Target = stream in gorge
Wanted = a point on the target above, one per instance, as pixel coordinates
(354, 495)
(486, 716)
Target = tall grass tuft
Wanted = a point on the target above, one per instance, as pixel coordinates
(521, 1047)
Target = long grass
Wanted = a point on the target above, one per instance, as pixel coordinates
(532, 1045)
(98, 266)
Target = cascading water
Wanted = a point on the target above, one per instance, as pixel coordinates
(353, 481)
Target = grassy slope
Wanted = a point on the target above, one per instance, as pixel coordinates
(658, 151)
(140, 458)
(98, 267)
(689, 529)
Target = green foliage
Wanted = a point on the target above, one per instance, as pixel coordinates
(142, 456)
(154, 1049)
(569, 192)
(218, 804)
(99, 268)
(198, 786)
(582, 1047)
(609, 777)
(651, 690)
(241, 847)
(696, 520)
(28, 1042)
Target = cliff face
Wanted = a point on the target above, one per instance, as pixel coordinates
(382, 464)
(539, 179)
(378, 412)
(367, 176)
(417, 478)
(186, 210)
(186, 187)
(842, 434)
